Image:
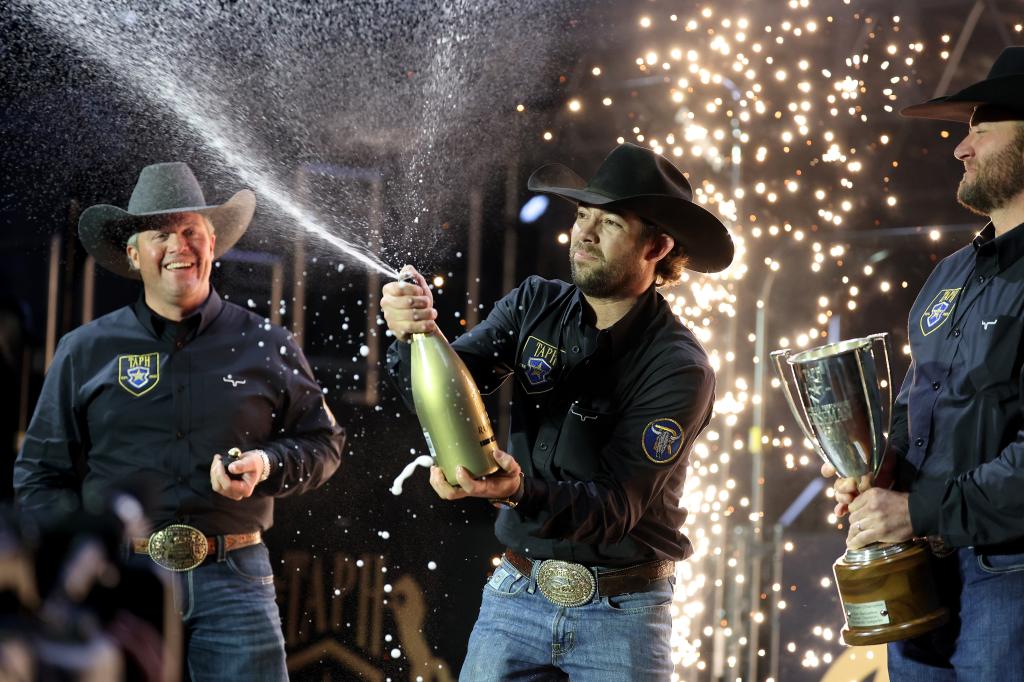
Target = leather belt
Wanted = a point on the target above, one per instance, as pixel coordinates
(570, 584)
(181, 548)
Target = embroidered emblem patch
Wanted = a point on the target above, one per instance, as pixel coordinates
(663, 440)
(138, 374)
(938, 310)
(540, 362)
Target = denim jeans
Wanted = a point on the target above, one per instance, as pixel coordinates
(983, 640)
(232, 625)
(520, 635)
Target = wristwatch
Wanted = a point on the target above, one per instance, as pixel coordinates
(512, 501)
(266, 465)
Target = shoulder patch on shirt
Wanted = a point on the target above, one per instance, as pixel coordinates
(936, 312)
(662, 440)
(138, 374)
(540, 362)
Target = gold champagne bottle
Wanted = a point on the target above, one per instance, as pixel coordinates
(451, 412)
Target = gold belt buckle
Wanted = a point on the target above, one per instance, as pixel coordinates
(178, 547)
(565, 583)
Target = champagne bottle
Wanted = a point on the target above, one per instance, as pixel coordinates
(451, 412)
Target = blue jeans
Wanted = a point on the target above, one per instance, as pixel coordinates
(983, 640)
(231, 621)
(520, 635)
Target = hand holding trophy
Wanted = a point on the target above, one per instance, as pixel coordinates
(886, 590)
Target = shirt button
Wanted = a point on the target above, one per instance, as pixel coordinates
(575, 349)
(178, 344)
(981, 279)
(543, 446)
(919, 442)
(179, 435)
(936, 386)
(956, 332)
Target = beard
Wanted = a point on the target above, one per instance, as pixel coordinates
(997, 180)
(600, 278)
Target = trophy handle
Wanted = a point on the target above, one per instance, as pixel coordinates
(882, 341)
(780, 358)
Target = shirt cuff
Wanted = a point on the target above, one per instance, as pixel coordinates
(925, 503)
(535, 491)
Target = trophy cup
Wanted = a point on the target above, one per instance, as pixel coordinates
(886, 590)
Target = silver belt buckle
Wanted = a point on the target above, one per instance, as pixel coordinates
(565, 583)
(178, 547)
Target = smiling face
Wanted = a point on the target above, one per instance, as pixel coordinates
(993, 158)
(175, 262)
(609, 254)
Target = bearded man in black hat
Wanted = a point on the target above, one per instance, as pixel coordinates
(611, 391)
(957, 444)
(164, 389)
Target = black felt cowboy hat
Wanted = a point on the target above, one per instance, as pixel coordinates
(1002, 89)
(637, 179)
(163, 190)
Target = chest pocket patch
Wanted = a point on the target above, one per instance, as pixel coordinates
(138, 374)
(937, 312)
(663, 440)
(540, 363)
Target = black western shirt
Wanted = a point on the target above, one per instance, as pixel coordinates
(958, 417)
(602, 421)
(131, 395)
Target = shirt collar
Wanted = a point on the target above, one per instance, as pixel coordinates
(204, 315)
(626, 329)
(1006, 249)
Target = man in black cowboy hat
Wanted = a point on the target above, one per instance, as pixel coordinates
(164, 389)
(956, 442)
(611, 391)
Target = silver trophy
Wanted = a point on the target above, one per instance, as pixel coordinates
(835, 394)
(836, 399)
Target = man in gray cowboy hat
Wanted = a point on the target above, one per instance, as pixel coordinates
(611, 391)
(165, 388)
(956, 442)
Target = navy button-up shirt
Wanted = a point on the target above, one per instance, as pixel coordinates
(132, 394)
(957, 420)
(602, 421)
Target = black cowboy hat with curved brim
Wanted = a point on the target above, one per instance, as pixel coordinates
(637, 179)
(163, 190)
(1003, 89)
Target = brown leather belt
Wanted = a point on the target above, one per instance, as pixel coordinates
(569, 584)
(181, 548)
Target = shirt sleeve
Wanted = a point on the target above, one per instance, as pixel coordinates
(982, 506)
(51, 464)
(307, 449)
(649, 446)
(489, 349)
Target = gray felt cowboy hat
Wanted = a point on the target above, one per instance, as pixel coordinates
(163, 190)
(1003, 90)
(639, 180)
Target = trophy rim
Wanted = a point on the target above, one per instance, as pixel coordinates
(874, 552)
(829, 350)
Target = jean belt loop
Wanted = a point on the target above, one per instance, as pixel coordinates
(222, 551)
(532, 587)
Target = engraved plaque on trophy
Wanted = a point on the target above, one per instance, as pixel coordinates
(887, 590)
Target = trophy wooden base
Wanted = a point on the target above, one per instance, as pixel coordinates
(887, 593)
